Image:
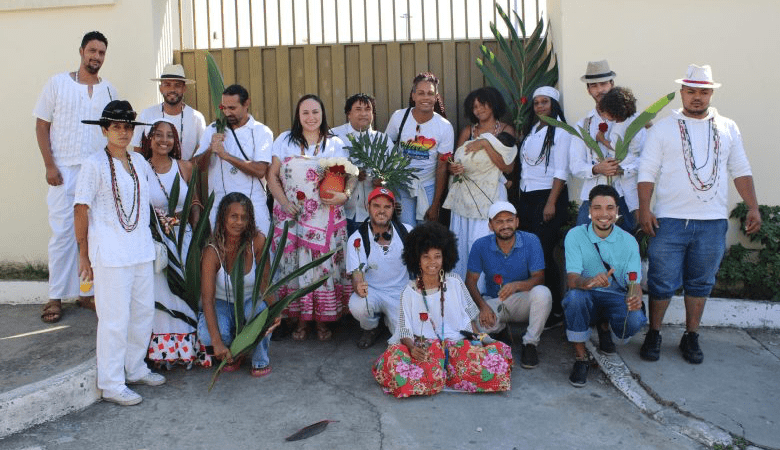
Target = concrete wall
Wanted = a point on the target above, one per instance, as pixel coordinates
(39, 42)
(649, 44)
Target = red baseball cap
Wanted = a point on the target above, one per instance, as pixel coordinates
(381, 191)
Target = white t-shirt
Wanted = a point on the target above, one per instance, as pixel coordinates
(255, 140)
(691, 181)
(355, 208)
(65, 103)
(283, 148)
(384, 272)
(582, 160)
(109, 244)
(538, 174)
(190, 125)
(422, 142)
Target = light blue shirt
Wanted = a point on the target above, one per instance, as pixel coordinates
(620, 250)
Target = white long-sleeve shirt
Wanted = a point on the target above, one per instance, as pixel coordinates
(691, 181)
(536, 176)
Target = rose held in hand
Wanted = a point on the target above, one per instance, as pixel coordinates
(498, 279)
(603, 127)
(423, 316)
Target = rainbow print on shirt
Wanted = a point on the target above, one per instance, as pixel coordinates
(418, 148)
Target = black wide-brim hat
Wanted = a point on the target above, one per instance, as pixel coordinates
(116, 111)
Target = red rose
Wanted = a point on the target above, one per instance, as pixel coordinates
(338, 168)
(632, 276)
(221, 107)
(445, 157)
(524, 100)
(603, 127)
(300, 195)
(498, 279)
(423, 316)
(357, 243)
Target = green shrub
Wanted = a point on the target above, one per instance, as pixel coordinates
(753, 273)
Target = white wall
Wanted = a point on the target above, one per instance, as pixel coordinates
(40, 42)
(649, 44)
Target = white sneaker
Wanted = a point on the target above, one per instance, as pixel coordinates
(126, 397)
(150, 379)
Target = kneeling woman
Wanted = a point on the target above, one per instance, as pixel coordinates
(435, 307)
(234, 227)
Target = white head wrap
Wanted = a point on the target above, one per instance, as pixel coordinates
(548, 91)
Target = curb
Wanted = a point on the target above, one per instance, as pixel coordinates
(662, 412)
(49, 399)
(24, 292)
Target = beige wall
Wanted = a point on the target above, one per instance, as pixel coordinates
(40, 43)
(649, 44)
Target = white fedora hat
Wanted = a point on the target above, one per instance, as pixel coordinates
(699, 77)
(598, 71)
(174, 72)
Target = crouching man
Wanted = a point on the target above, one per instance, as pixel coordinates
(378, 273)
(600, 261)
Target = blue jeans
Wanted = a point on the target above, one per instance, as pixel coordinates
(685, 253)
(226, 321)
(409, 205)
(627, 223)
(584, 309)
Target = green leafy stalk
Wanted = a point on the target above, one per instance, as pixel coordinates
(583, 134)
(216, 87)
(388, 165)
(621, 147)
(237, 280)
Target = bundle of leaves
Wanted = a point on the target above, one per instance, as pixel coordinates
(531, 63)
(389, 166)
(753, 273)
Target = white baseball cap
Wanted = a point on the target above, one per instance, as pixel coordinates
(500, 206)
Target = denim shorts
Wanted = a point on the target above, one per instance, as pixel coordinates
(685, 253)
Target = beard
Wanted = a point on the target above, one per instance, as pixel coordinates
(173, 98)
(91, 69)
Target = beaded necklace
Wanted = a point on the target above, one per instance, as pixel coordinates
(165, 191)
(474, 129)
(124, 218)
(234, 169)
(316, 147)
(699, 184)
(181, 120)
(442, 289)
(533, 162)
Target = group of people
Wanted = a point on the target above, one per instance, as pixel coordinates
(447, 296)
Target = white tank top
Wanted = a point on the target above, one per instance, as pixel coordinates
(223, 284)
(158, 197)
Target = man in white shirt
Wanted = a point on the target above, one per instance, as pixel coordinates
(361, 114)
(686, 161)
(378, 272)
(238, 158)
(65, 143)
(189, 123)
(584, 164)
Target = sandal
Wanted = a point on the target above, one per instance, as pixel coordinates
(368, 338)
(86, 302)
(301, 332)
(235, 365)
(52, 311)
(323, 332)
(259, 372)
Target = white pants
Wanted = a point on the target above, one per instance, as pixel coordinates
(63, 250)
(124, 297)
(367, 310)
(532, 306)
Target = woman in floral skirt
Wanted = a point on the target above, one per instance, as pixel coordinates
(318, 224)
(435, 308)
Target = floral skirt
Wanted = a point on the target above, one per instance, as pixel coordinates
(470, 368)
(172, 349)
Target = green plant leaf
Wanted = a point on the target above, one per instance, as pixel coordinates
(173, 196)
(216, 86)
(237, 280)
(297, 272)
(621, 148)
(260, 270)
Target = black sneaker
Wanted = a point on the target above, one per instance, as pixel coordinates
(606, 346)
(689, 346)
(651, 348)
(579, 373)
(553, 320)
(529, 359)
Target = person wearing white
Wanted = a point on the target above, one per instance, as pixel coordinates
(65, 143)
(360, 110)
(687, 161)
(379, 277)
(111, 215)
(189, 122)
(584, 164)
(237, 159)
(424, 136)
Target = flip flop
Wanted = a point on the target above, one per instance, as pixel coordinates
(323, 332)
(52, 311)
(259, 372)
(368, 338)
(300, 333)
(86, 303)
(235, 365)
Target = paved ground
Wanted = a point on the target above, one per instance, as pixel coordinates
(736, 389)
(313, 381)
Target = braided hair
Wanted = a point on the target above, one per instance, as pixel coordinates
(438, 106)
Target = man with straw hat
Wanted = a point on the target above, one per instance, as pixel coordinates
(686, 161)
(65, 143)
(189, 122)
